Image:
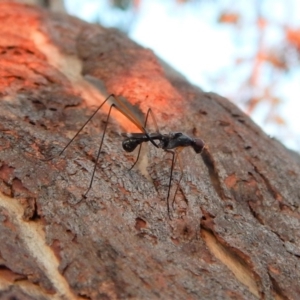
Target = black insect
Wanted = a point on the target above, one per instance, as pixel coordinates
(172, 142)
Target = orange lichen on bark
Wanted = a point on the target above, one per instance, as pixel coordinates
(231, 181)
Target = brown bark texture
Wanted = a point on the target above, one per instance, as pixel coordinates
(234, 227)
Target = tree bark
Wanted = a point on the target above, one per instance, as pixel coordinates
(234, 227)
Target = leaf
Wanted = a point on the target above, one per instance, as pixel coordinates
(278, 120)
(277, 59)
(293, 36)
(231, 18)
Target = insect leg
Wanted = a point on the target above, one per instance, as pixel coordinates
(102, 139)
(73, 138)
(100, 147)
(155, 125)
(174, 156)
(181, 169)
(153, 118)
(145, 124)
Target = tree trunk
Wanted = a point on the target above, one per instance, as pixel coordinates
(233, 231)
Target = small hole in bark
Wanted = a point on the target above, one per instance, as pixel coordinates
(35, 216)
(235, 115)
(223, 123)
(140, 223)
(185, 230)
(36, 102)
(230, 207)
(202, 112)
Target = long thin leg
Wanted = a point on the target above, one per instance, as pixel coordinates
(125, 111)
(73, 138)
(153, 118)
(181, 169)
(145, 124)
(121, 108)
(128, 113)
(170, 180)
(102, 139)
(100, 147)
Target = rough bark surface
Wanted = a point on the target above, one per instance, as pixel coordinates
(234, 232)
